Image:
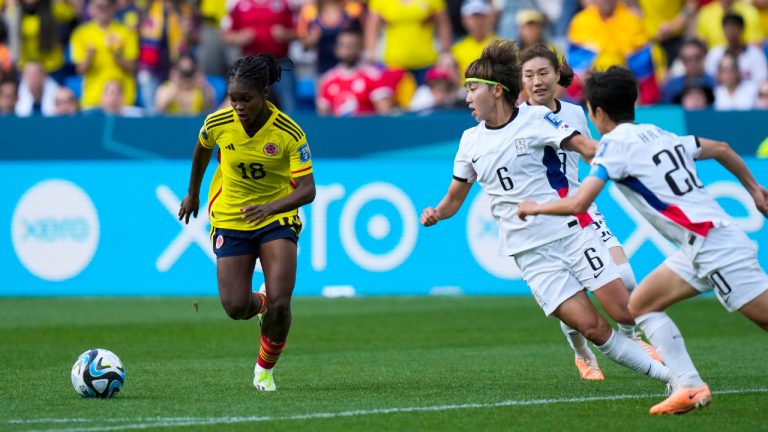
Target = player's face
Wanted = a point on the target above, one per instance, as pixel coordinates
(247, 101)
(481, 100)
(540, 80)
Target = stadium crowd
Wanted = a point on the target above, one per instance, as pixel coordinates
(354, 57)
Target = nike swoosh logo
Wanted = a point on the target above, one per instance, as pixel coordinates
(475, 160)
(692, 395)
(599, 273)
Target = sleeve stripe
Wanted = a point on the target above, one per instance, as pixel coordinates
(290, 123)
(463, 180)
(281, 123)
(301, 170)
(288, 131)
(219, 123)
(698, 143)
(215, 117)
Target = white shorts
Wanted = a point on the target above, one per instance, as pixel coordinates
(559, 269)
(726, 262)
(602, 230)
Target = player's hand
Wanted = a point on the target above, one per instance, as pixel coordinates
(526, 208)
(429, 216)
(760, 196)
(257, 213)
(188, 208)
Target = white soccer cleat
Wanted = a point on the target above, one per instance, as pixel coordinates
(263, 381)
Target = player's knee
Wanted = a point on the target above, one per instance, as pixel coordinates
(236, 310)
(279, 309)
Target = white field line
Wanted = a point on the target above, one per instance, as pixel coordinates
(166, 422)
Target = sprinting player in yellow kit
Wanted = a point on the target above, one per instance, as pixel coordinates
(265, 175)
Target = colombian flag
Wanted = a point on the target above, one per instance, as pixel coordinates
(641, 64)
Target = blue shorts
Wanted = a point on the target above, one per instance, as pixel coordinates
(229, 242)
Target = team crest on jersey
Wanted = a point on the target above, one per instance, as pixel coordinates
(552, 119)
(304, 153)
(270, 149)
(520, 147)
(219, 241)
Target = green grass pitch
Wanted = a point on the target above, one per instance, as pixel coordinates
(362, 364)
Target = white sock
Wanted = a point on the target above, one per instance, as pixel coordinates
(627, 330)
(627, 276)
(629, 354)
(666, 338)
(258, 370)
(577, 341)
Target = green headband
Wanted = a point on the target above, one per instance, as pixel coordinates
(485, 81)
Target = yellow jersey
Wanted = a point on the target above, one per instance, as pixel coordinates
(253, 170)
(115, 38)
(467, 50)
(409, 31)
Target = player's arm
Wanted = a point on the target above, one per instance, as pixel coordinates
(586, 147)
(575, 204)
(449, 205)
(191, 202)
(724, 154)
(304, 193)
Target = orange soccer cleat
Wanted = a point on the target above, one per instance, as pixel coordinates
(683, 400)
(648, 348)
(588, 369)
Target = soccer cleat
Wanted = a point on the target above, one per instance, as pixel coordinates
(648, 348)
(588, 369)
(683, 400)
(264, 382)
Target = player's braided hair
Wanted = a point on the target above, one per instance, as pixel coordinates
(499, 62)
(259, 71)
(560, 65)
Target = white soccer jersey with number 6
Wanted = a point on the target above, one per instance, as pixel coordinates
(516, 162)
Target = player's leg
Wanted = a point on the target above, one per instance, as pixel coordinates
(757, 310)
(586, 362)
(657, 291)
(278, 260)
(236, 257)
(579, 313)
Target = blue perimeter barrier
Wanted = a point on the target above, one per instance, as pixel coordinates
(110, 228)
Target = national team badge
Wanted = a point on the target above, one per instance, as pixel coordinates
(520, 147)
(270, 149)
(219, 241)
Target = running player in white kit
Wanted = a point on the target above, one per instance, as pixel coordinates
(504, 154)
(543, 76)
(656, 171)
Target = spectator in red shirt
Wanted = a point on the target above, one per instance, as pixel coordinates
(353, 88)
(264, 27)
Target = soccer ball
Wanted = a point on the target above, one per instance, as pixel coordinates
(98, 373)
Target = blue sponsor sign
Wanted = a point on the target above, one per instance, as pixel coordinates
(111, 228)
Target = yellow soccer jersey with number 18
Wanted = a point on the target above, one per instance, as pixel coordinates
(253, 170)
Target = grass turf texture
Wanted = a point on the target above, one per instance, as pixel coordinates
(194, 369)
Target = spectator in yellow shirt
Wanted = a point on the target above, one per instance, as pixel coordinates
(666, 21)
(477, 20)
(409, 32)
(34, 33)
(104, 50)
(709, 23)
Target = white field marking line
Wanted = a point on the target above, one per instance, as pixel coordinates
(157, 422)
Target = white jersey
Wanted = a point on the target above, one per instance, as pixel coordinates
(512, 163)
(655, 170)
(569, 160)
